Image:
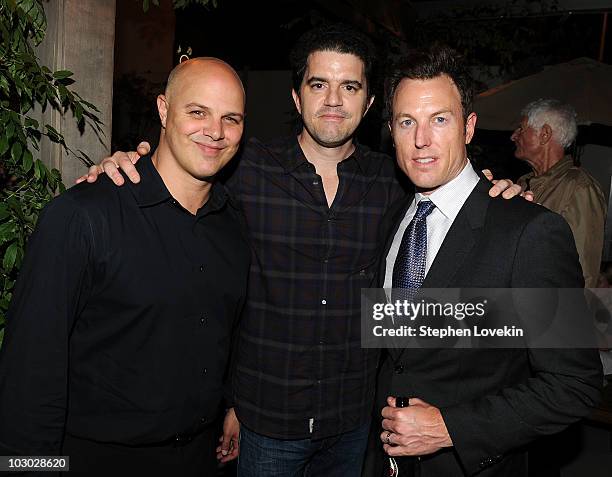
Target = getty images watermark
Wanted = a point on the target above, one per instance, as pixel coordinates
(486, 318)
(409, 310)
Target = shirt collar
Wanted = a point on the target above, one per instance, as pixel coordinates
(219, 196)
(450, 197)
(294, 156)
(360, 155)
(567, 162)
(151, 189)
(560, 167)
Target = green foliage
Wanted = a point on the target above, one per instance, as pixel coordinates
(26, 184)
(146, 4)
(506, 35)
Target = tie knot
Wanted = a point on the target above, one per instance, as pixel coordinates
(424, 208)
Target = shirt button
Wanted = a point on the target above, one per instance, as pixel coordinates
(202, 320)
(203, 420)
(205, 371)
(201, 268)
(315, 182)
(323, 302)
(399, 369)
(326, 260)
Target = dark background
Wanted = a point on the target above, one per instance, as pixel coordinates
(514, 38)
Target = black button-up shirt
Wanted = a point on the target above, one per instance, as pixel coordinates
(121, 322)
(299, 364)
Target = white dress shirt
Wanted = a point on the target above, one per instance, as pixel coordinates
(448, 199)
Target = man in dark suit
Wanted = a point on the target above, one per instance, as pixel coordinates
(470, 410)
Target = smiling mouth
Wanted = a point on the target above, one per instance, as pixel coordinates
(210, 150)
(425, 160)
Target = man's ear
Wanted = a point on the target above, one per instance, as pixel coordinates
(470, 127)
(296, 100)
(162, 109)
(545, 134)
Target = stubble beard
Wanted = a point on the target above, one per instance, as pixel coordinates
(330, 139)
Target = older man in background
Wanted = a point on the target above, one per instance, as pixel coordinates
(548, 127)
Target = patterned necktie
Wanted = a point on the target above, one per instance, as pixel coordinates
(409, 267)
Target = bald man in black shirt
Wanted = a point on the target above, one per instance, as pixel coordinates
(119, 331)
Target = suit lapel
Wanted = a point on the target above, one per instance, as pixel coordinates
(460, 239)
(457, 245)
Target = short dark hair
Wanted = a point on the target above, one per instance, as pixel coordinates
(336, 37)
(430, 63)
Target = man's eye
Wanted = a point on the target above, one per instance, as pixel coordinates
(316, 85)
(231, 119)
(350, 88)
(439, 120)
(197, 113)
(406, 123)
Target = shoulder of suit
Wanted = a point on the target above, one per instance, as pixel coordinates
(512, 217)
(517, 208)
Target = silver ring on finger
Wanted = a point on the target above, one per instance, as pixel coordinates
(388, 437)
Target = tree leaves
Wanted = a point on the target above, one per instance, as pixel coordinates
(146, 4)
(4, 144)
(25, 84)
(27, 161)
(4, 212)
(10, 256)
(16, 151)
(35, 13)
(61, 74)
(179, 4)
(54, 135)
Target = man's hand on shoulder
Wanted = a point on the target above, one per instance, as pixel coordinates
(418, 429)
(119, 160)
(506, 188)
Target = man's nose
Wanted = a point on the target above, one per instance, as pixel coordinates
(422, 136)
(214, 129)
(333, 97)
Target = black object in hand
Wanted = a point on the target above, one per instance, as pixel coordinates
(401, 401)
